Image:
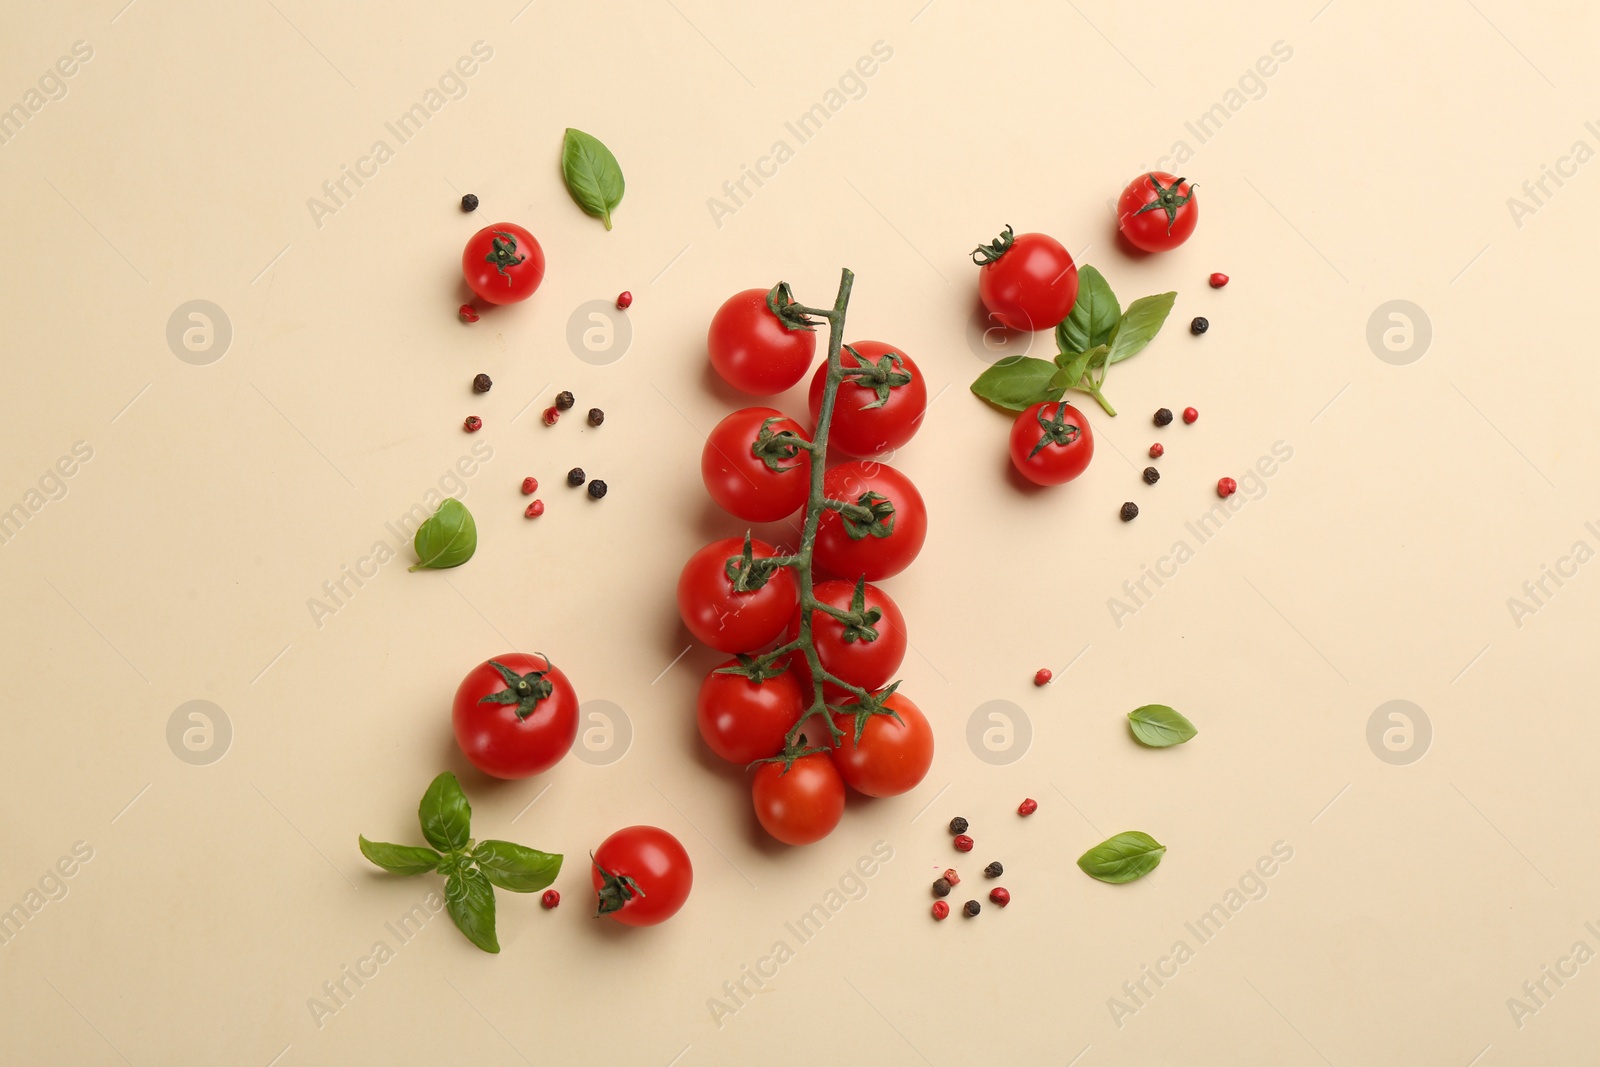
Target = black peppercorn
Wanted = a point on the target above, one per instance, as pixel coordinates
(972, 908)
(596, 416)
(575, 476)
(1163, 416)
(994, 870)
(1199, 326)
(564, 400)
(469, 203)
(941, 888)
(958, 825)
(482, 383)
(1130, 511)
(1151, 475)
(597, 489)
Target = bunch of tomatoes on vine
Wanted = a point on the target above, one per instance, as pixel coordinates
(809, 699)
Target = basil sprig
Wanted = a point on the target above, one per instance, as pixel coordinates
(592, 174)
(447, 539)
(471, 869)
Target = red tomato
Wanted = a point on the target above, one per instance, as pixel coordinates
(744, 720)
(515, 715)
(874, 548)
(1028, 282)
(801, 804)
(850, 654)
(753, 349)
(878, 410)
(754, 467)
(1051, 443)
(503, 263)
(642, 876)
(725, 618)
(891, 757)
(1157, 212)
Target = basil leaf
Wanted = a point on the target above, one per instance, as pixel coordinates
(516, 867)
(1129, 855)
(469, 898)
(400, 859)
(1094, 316)
(593, 175)
(1158, 726)
(448, 539)
(1015, 383)
(1139, 325)
(445, 814)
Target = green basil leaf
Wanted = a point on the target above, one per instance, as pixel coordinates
(400, 859)
(1139, 325)
(1129, 855)
(1094, 316)
(593, 175)
(1015, 383)
(448, 539)
(1158, 726)
(445, 814)
(469, 898)
(516, 867)
(1075, 364)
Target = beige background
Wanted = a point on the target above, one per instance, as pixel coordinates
(1374, 164)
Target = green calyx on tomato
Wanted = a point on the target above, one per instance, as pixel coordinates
(747, 573)
(504, 252)
(1056, 430)
(1167, 199)
(871, 515)
(858, 619)
(889, 372)
(615, 889)
(753, 668)
(984, 255)
(864, 708)
(777, 447)
(523, 690)
(780, 299)
(794, 749)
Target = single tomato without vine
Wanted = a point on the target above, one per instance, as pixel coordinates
(1027, 281)
(880, 402)
(800, 803)
(891, 756)
(756, 464)
(641, 875)
(865, 651)
(882, 531)
(515, 715)
(743, 719)
(729, 600)
(754, 347)
(503, 263)
(1157, 212)
(1051, 443)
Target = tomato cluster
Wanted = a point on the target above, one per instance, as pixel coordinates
(808, 737)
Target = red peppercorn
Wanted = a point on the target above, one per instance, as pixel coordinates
(941, 910)
(951, 876)
(1042, 676)
(551, 898)
(999, 896)
(1028, 807)
(551, 415)
(1226, 487)
(468, 313)
(530, 486)
(1218, 281)
(535, 509)
(1189, 415)
(624, 300)
(963, 843)
(1156, 451)
(473, 424)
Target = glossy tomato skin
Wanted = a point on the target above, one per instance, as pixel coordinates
(491, 735)
(891, 757)
(1153, 230)
(741, 482)
(743, 720)
(654, 859)
(1032, 286)
(868, 664)
(1053, 464)
(870, 556)
(864, 432)
(800, 805)
(506, 276)
(727, 620)
(753, 350)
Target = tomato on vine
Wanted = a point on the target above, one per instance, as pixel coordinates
(756, 465)
(798, 799)
(745, 711)
(732, 598)
(880, 402)
(515, 715)
(1051, 443)
(641, 876)
(1027, 281)
(886, 746)
(859, 635)
(503, 263)
(759, 344)
(881, 527)
(1157, 212)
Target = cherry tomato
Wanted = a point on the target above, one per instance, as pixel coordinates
(866, 656)
(515, 715)
(878, 408)
(756, 466)
(725, 618)
(753, 349)
(1028, 282)
(801, 804)
(1157, 212)
(642, 876)
(744, 720)
(503, 263)
(891, 757)
(877, 547)
(1051, 443)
